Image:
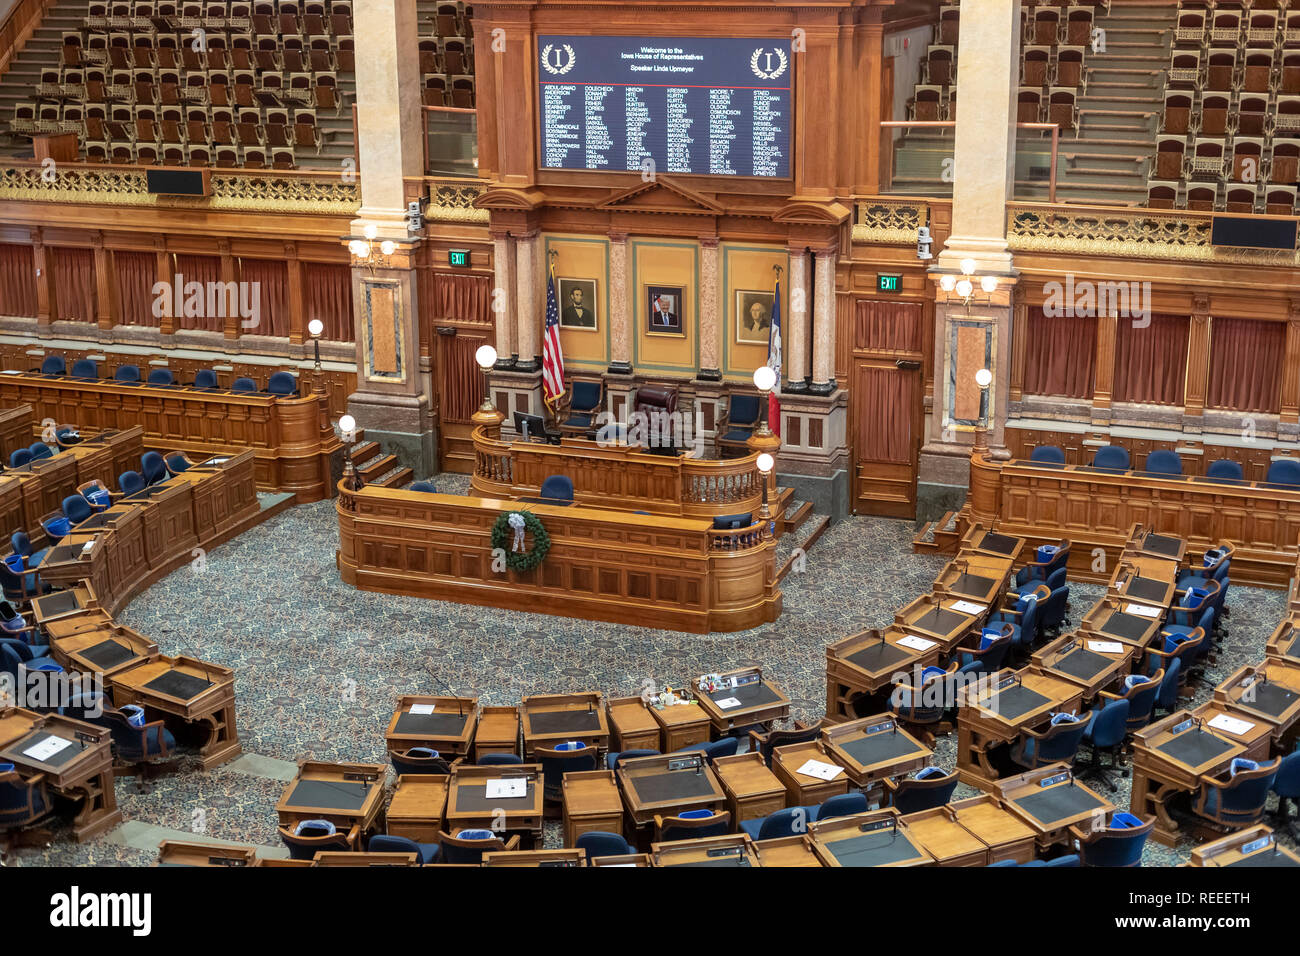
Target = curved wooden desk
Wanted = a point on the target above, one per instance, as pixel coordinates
(677, 573)
(290, 436)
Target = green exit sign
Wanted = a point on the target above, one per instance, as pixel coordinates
(888, 283)
(458, 258)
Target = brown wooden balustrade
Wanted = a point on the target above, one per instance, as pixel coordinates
(672, 572)
(618, 477)
(290, 436)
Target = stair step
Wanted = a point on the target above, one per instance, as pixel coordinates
(377, 467)
(792, 522)
(397, 478)
(363, 452)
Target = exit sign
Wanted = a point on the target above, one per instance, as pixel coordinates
(458, 258)
(888, 283)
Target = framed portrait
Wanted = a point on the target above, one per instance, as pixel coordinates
(753, 316)
(577, 304)
(665, 307)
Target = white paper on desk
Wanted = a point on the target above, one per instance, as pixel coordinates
(506, 788)
(1230, 725)
(916, 643)
(421, 709)
(727, 703)
(969, 607)
(1143, 610)
(45, 749)
(1106, 647)
(820, 770)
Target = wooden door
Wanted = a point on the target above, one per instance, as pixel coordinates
(458, 392)
(887, 390)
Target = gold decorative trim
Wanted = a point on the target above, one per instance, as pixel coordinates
(454, 202)
(887, 221)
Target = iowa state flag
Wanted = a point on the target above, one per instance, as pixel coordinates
(774, 363)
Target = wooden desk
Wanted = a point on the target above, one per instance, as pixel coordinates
(344, 858)
(753, 791)
(31, 492)
(667, 785)
(1256, 846)
(1257, 738)
(498, 731)
(728, 850)
(1115, 619)
(1091, 662)
(803, 789)
(79, 602)
(106, 650)
(861, 668)
(82, 771)
(996, 543)
(745, 699)
(1003, 832)
(1268, 692)
(787, 851)
(176, 853)
(681, 725)
(1145, 580)
(290, 435)
(627, 859)
(591, 803)
(449, 729)
(469, 807)
(867, 839)
(1169, 757)
(1050, 801)
(549, 719)
(976, 577)
(418, 806)
(1016, 700)
(631, 726)
(944, 837)
(871, 749)
(602, 565)
(1284, 643)
(345, 794)
(536, 858)
(191, 690)
(933, 616)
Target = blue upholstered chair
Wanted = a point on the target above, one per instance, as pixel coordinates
(692, 825)
(1225, 468)
(914, 708)
(585, 403)
(1055, 578)
(791, 821)
(612, 760)
(282, 383)
(1182, 646)
(14, 626)
(989, 647)
(152, 468)
(1164, 462)
(842, 805)
(928, 788)
(22, 545)
(1048, 454)
(1058, 742)
(383, 843)
(1141, 691)
(16, 654)
(1053, 611)
(177, 462)
(130, 482)
(20, 457)
(127, 373)
(66, 436)
(1107, 730)
(764, 741)
(468, 846)
(1167, 696)
(243, 385)
(161, 376)
(1190, 606)
(19, 584)
(1236, 798)
(23, 801)
(1113, 457)
(428, 487)
(308, 837)
(599, 843)
(1284, 471)
(493, 760)
(40, 450)
(77, 509)
(1068, 860)
(419, 760)
(96, 494)
(1048, 564)
(568, 757)
(54, 365)
(712, 750)
(1215, 565)
(1287, 787)
(1119, 843)
(56, 526)
(558, 488)
(742, 417)
(85, 368)
(205, 378)
(137, 742)
(1023, 618)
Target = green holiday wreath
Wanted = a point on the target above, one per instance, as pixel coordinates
(503, 533)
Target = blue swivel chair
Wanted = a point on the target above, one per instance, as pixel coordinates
(1048, 560)
(428, 487)
(23, 801)
(692, 825)
(741, 419)
(915, 709)
(96, 494)
(18, 582)
(1236, 799)
(1174, 646)
(1059, 742)
(1141, 691)
(308, 837)
(1164, 462)
(243, 385)
(1215, 564)
(1119, 843)
(1287, 787)
(424, 852)
(40, 450)
(14, 626)
(130, 482)
(1068, 860)
(930, 787)
(712, 750)
(127, 373)
(791, 821)
(1053, 611)
(20, 457)
(599, 843)
(282, 383)
(1167, 696)
(468, 846)
(16, 654)
(568, 757)
(1048, 454)
(1055, 579)
(143, 746)
(584, 405)
(76, 509)
(419, 760)
(1023, 618)
(842, 805)
(177, 462)
(491, 760)
(612, 760)
(66, 436)
(85, 368)
(152, 468)
(22, 545)
(161, 376)
(1225, 468)
(557, 488)
(1107, 730)
(989, 647)
(205, 378)
(54, 365)
(1111, 457)
(1284, 471)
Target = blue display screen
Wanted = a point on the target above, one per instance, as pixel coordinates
(702, 106)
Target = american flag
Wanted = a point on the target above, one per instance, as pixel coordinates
(552, 355)
(774, 362)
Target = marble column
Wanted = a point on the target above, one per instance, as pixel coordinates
(796, 331)
(711, 308)
(619, 307)
(823, 362)
(528, 312)
(503, 299)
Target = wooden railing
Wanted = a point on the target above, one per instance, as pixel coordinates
(24, 17)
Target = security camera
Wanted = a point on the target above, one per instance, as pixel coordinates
(415, 215)
(923, 243)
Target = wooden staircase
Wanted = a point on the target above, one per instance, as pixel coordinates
(938, 537)
(376, 468)
(800, 529)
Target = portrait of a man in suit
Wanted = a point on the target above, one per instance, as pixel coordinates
(753, 316)
(578, 304)
(664, 309)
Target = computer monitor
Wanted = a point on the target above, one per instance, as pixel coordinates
(530, 427)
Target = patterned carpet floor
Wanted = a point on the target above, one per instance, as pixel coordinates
(319, 665)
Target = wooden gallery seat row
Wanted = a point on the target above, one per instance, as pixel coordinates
(291, 437)
(95, 570)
